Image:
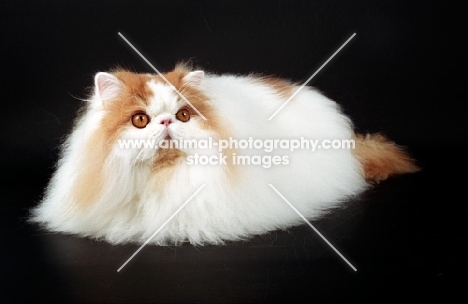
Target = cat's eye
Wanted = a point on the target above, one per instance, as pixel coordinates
(183, 114)
(140, 120)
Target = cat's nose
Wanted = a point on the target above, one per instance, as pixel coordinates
(166, 122)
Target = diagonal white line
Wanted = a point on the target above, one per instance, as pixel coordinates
(160, 228)
(311, 226)
(160, 74)
(310, 78)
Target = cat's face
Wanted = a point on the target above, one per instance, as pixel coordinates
(141, 110)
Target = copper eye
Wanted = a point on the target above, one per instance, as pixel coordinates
(140, 120)
(183, 115)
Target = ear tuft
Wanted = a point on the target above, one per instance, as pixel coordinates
(194, 78)
(107, 86)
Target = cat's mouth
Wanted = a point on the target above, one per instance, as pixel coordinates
(167, 135)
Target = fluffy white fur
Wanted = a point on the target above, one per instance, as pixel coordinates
(132, 205)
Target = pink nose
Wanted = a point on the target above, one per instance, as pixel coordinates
(166, 122)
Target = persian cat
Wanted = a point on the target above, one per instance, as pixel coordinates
(144, 144)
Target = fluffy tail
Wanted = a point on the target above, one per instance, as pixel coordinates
(381, 157)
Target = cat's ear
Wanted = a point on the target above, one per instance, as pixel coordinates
(194, 78)
(106, 86)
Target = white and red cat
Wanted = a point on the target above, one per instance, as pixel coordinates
(103, 191)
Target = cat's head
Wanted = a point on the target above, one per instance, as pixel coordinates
(139, 111)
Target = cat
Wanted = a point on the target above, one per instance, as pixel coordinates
(106, 190)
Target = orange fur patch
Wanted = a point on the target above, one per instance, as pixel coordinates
(166, 158)
(282, 87)
(382, 158)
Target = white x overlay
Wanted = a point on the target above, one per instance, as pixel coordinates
(199, 189)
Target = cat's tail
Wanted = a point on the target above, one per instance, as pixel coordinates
(381, 157)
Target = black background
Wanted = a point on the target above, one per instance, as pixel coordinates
(404, 74)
